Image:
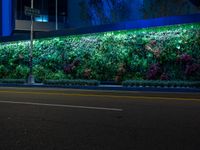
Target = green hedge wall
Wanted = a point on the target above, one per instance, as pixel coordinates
(161, 53)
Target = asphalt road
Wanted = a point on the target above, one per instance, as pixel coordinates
(64, 119)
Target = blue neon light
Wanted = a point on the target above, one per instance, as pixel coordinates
(138, 24)
(0, 18)
(42, 18)
(6, 17)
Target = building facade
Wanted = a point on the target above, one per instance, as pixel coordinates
(92, 12)
(47, 18)
(86, 13)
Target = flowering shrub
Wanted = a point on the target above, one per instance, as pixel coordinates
(192, 69)
(154, 72)
(164, 76)
(160, 53)
(87, 73)
(185, 58)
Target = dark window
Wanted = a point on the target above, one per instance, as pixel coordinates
(46, 7)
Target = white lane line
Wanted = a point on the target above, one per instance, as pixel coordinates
(60, 105)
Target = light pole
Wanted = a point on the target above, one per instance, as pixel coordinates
(56, 14)
(31, 78)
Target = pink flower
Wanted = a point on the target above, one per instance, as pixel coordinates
(87, 73)
(153, 42)
(157, 53)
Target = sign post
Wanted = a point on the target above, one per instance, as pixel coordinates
(31, 12)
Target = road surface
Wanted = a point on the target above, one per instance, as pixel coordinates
(67, 119)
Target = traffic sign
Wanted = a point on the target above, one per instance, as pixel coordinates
(31, 11)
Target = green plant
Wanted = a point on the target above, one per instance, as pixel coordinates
(13, 81)
(159, 53)
(72, 82)
(159, 83)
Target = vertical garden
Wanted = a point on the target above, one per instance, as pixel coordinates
(159, 53)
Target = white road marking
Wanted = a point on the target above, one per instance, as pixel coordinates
(61, 105)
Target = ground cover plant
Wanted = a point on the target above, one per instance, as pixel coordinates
(159, 53)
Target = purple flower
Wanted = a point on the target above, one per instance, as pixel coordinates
(69, 68)
(153, 42)
(153, 72)
(185, 58)
(76, 62)
(164, 76)
(192, 69)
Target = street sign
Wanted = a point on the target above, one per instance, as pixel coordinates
(31, 11)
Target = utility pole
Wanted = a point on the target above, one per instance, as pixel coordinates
(31, 78)
(56, 14)
(31, 12)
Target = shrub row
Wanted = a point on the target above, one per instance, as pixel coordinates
(158, 83)
(72, 82)
(13, 81)
(127, 83)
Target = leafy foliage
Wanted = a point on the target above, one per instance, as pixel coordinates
(12, 81)
(72, 82)
(162, 53)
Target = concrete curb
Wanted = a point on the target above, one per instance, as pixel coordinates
(110, 88)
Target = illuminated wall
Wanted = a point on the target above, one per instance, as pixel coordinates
(0, 18)
(91, 12)
(160, 8)
(6, 17)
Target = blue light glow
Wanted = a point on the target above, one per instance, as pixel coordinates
(42, 18)
(6, 17)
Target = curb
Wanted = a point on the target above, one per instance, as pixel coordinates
(110, 88)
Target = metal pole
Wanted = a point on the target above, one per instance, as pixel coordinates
(31, 78)
(56, 14)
